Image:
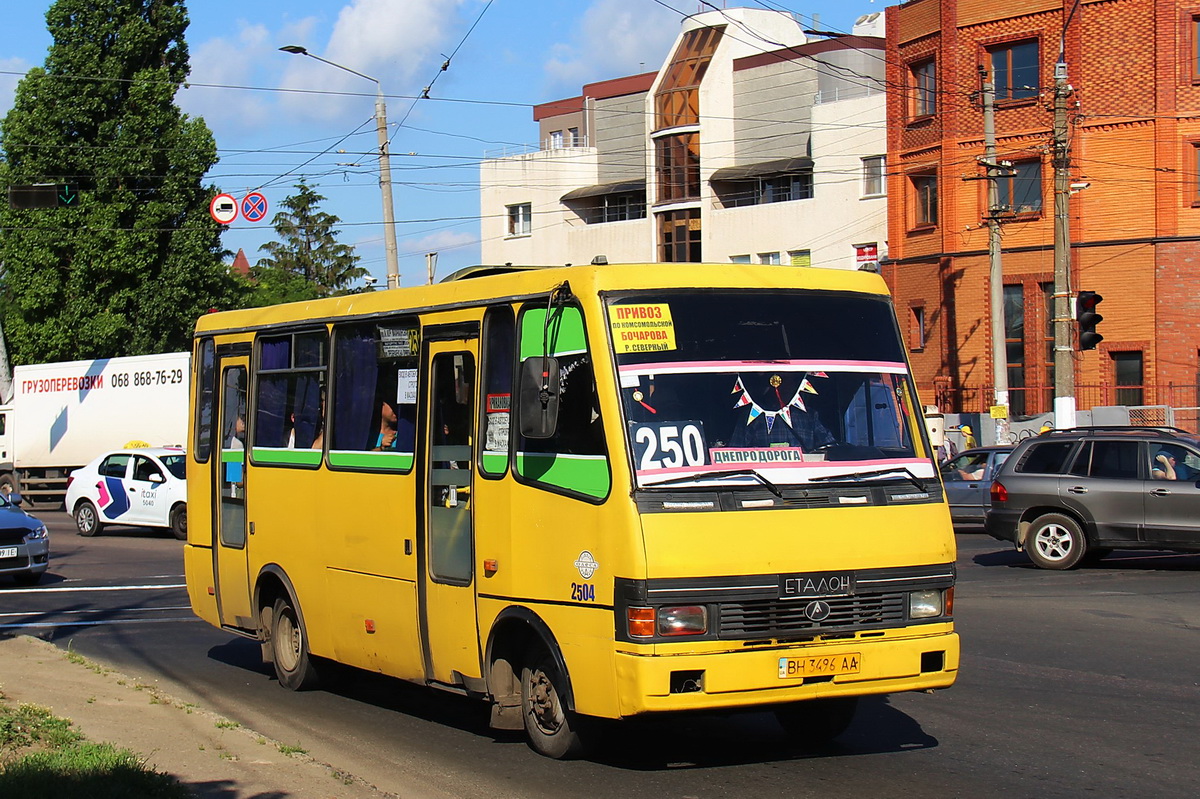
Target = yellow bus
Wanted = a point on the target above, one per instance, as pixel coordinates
(579, 493)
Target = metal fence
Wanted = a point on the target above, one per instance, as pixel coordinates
(1034, 400)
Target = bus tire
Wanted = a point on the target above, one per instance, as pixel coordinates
(1055, 541)
(294, 665)
(550, 727)
(7, 484)
(815, 722)
(179, 522)
(87, 519)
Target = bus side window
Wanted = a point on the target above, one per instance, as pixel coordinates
(291, 390)
(575, 458)
(206, 381)
(499, 342)
(374, 392)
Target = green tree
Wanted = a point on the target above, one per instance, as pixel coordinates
(128, 269)
(307, 262)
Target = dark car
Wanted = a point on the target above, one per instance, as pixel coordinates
(1072, 495)
(24, 543)
(968, 480)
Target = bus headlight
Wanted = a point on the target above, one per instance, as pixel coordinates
(667, 621)
(925, 604)
(683, 620)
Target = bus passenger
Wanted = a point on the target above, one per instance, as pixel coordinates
(387, 427)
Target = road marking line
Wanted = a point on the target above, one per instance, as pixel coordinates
(82, 589)
(93, 610)
(46, 624)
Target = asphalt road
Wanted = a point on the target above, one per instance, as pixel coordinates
(1073, 684)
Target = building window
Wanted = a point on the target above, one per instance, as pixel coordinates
(924, 89)
(556, 139)
(520, 219)
(916, 327)
(678, 99)
(1195, 173)
(1015, 70)
(623, 207)
(760, 191)
(1014, 346)
(739, 259)
(573, 137)
(924, 197)
(1128, 377)
(679, 236)
(1020, 193)
(771, 258)
(874, 167)
(800, 257)
(1195, 23)
(785, 188)
(677, 160)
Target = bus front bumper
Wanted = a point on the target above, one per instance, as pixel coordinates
(772, 675)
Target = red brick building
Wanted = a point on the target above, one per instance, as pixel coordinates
(1134, 133)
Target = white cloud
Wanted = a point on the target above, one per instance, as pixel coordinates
(8, 83)
(397, 42)
(615, 38)
(223, 62)
(439, 241)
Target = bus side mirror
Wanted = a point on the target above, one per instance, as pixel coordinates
(537, 412)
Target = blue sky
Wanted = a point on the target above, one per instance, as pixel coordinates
(279, 117)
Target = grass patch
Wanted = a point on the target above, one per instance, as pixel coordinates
(42, 755)
(225, 724)
(292, 749)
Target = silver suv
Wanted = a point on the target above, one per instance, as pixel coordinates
(1072, 496)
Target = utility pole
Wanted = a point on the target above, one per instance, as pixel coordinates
(391, 251)
(999, 410)
(1064, 366)
(430, 266)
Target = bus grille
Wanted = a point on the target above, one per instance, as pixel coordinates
(775, 618)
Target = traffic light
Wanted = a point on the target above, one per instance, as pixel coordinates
(1087, 317)
(43, 195)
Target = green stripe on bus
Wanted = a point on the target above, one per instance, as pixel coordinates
(233, 455)
(388, 461)
(287, 457)
(587, 475)
(495, 462)
(565, 332)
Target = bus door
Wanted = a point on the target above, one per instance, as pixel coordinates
(229, 513)
(447, 586)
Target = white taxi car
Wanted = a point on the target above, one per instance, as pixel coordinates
(140, 487)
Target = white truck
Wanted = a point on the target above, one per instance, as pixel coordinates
(62, 415)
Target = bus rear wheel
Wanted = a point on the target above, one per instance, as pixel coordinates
(294, 665)
(548, 724)
(816, 722)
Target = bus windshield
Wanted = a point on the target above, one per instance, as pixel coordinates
(731, 387)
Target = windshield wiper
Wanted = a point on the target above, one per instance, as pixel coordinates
(859, 476)
(774, 489)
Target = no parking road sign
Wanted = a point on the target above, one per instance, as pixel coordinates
(254, 207)
(223, 209)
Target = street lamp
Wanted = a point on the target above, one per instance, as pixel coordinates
(385, 165)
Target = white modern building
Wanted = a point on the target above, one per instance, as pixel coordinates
(753, 143)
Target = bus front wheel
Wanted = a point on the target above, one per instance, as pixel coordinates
(547, 723)
(816, 722)
(293, 664)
